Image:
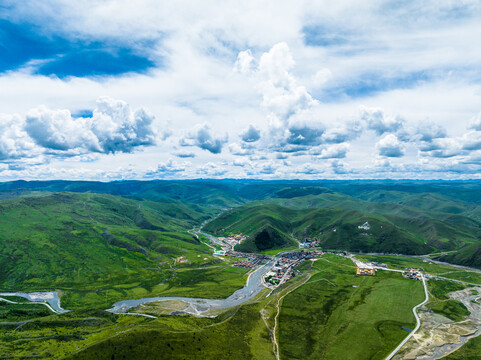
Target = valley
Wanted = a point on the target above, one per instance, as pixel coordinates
(154, 267)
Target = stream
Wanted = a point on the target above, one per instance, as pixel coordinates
(198, 306)
(49, 297)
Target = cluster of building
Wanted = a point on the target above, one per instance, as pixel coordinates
(365, 226)
(232, 240)
(247, 260)
(375, 264)
(310, 243)
(181, 260)
(413, 274)
(283, 269)
(365, 271)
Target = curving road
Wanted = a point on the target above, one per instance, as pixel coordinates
(418, 322)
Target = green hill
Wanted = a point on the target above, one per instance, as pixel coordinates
(73, 240)
(337, 228)
(266, 239)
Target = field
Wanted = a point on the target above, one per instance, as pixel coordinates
(336, 308)
(313, 318)
(212, 283)
(400, 262)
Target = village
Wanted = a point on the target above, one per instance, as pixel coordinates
(283, 270)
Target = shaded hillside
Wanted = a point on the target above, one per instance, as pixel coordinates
(469, 256)
(266, 239)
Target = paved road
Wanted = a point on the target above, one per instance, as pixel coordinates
(418, 322)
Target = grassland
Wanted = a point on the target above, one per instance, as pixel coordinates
(97, 249)
(212, 283)
(429, 267)
(452, 309)
(336, 308)
(103, 242)
(313, 320)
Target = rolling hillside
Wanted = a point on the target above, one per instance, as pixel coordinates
(71, 239)
(338, 229)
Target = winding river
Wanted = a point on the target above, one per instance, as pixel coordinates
(199, 306)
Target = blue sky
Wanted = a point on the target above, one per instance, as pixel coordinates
(107, 90)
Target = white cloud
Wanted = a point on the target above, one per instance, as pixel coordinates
(308, 69)
(390, 146)
(471, 140)
(113, 127)
(251, 134)
(14, 140)
(337, 151)
(184, 154)
(377, 120)
(442, 148)
(428, 131)
(202, 137)
(241, 149)
(56, 130)
(212, 169)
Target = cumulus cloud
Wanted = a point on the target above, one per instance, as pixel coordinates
(390, 146)
(348, 131)
(376, 119)
(245, 63)
(202, 137)
(337, 151)
(171, 166)
(113, 127)
(241, 162)
(428, 131)
(339, 167)
(14, 140)
(57, 130)
(251, 134)
(442, 148)
(294, 117)
(167, 169)
(241, 149)
(309, 168)
(211, 169)
(471, 140)
(268, 167)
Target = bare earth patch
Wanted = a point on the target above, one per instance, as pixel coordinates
(438, 335)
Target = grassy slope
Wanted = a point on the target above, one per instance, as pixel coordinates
(266, 239)
(189, 338)
(336, 228)
(73, 239)
(100, 248)
(442, 228)
(320, 318)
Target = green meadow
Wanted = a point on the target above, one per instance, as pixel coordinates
(336, 307)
